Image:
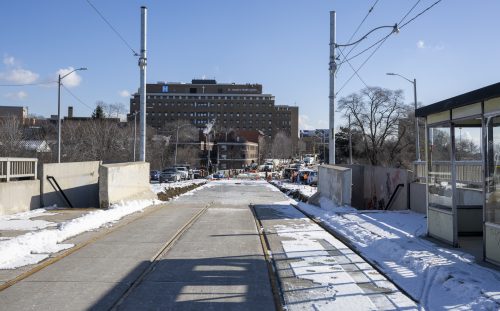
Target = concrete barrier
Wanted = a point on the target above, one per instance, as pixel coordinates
(123, 181)
(19, 196)
(418, 197)
(78, 180)
(334, 183)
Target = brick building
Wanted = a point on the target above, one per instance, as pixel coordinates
(233, 106)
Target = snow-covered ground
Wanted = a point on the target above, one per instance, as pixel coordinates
(439, 278)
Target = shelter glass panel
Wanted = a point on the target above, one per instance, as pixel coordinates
(492, 128)
(439, 167)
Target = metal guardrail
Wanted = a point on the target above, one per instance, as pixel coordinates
(18, 168)
(467, 172)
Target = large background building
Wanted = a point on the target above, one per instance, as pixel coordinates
(233, 106)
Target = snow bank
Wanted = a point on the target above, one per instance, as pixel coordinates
(32, 247)
(157, 187)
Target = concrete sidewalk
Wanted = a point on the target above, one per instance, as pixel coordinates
(318, 272)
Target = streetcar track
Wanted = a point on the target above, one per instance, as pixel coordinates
(274, 279)
(53, 259)
(154, 260)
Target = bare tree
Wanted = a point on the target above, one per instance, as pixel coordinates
(11, 136)
(282, 146)
(95, 140)
(376, 113)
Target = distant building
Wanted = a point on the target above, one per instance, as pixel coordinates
(234, 106)
(18, 112)
(231, 150)
(314, 140)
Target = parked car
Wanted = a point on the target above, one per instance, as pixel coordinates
(303, 175)
(268, 167)
(196, 174)
(218, 175)
(184, 171)
(170, 174)
(154, 175)
(313, 178)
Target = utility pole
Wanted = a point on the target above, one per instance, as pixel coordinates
(135, 132)
(332, 68)
(142, 89)
(417, 133)
(350, 139)
(59, 79)
(59, 119)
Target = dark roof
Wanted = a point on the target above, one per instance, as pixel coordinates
(465, 99)
(203, 81)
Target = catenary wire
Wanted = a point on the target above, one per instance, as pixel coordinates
(356, 31)
(382, 41)
(408, 13)
(399, 27)
(361, 66)
(113, 28)
(416, 16)
(355, 71)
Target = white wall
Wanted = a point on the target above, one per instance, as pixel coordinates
(78, 180)
(19, 196)
(124, 181)
(334, 182)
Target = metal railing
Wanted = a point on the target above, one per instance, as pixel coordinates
(467, 172)
(18, 168)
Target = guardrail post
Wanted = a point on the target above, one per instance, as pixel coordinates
(8, 169)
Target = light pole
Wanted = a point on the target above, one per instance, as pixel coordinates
(177, 140)
(59, 111)
(135, 130)
(417, 134)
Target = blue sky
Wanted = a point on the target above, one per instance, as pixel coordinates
(282, 44)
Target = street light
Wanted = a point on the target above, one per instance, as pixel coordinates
(59, 112)
(177, 140)
(414, 82)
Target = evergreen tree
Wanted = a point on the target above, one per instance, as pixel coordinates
(98, 113)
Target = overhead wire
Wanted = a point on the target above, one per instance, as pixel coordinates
(30, 84)
(113, 28)
(76, 97)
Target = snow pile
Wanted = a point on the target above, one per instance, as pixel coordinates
(305, 190)
(157, 187)
(437, 277)
(33, 247)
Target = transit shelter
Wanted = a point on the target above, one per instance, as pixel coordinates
(462, 170)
